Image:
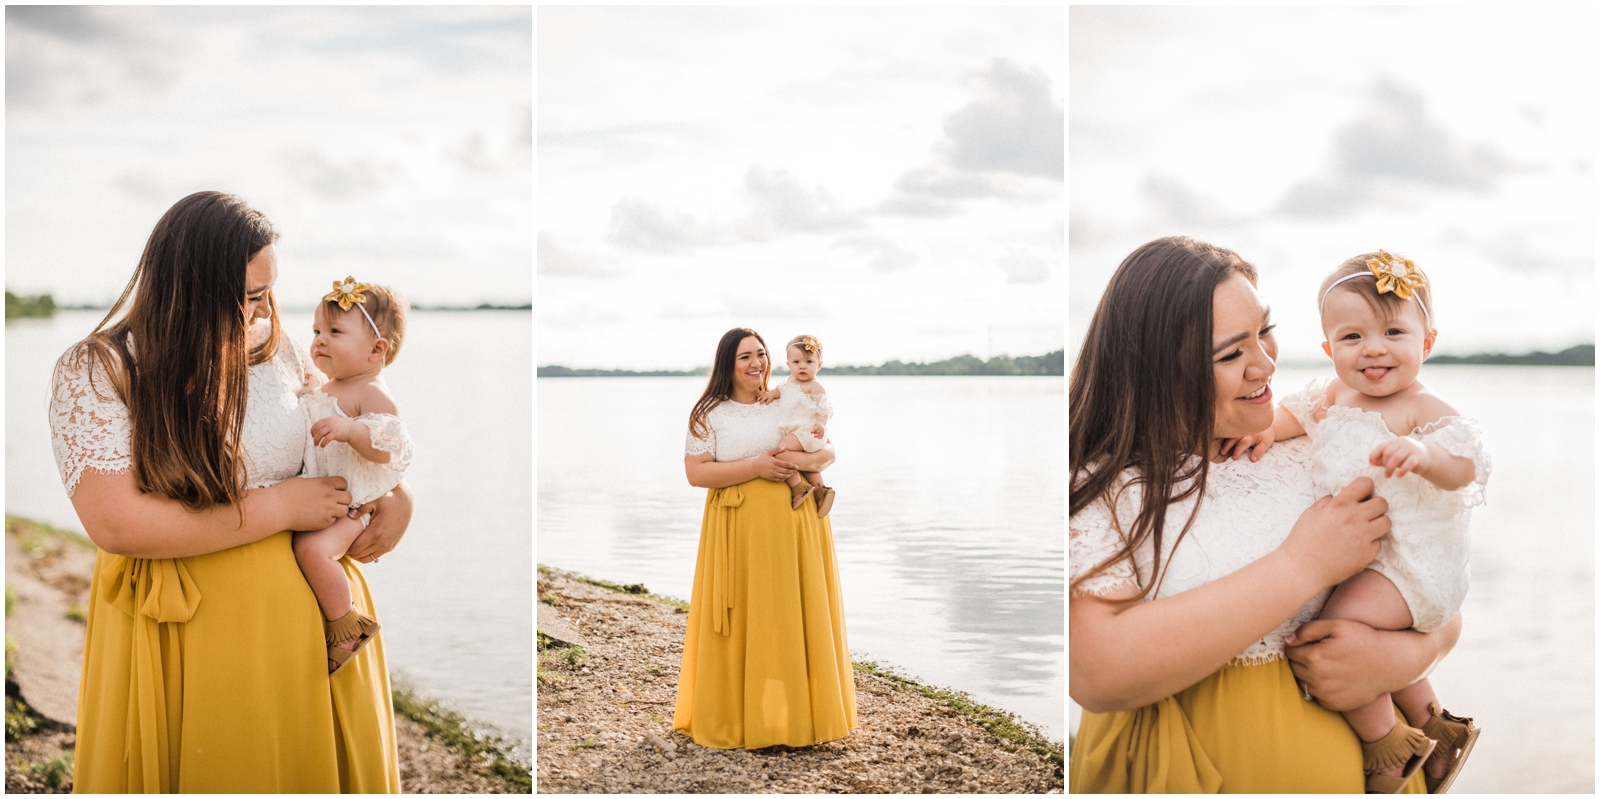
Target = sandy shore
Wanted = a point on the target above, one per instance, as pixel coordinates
(608, 670)
(47, 585)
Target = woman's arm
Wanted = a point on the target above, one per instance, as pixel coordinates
(704, 472)
(1347, 664)
(390, 516)
(810, 461)
(122, 520)
(1127, 653)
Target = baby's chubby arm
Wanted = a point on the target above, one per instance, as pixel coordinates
(769, 395)
(373, 399)
(1402, 455)
(1284, 426)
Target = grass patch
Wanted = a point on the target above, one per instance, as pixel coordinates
(78, 613)
(491, 754)
(632, 589)
(1003, 725)
(574, 655)
(33, 537)
(19, 719)
(54, 773)
(11, 650)
(11, 598)
(585, 743)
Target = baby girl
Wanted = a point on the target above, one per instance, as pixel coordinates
(803, 414)
(1376, 419)
(352, 432)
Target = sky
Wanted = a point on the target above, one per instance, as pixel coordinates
(1461, 137)
(886, 179)
(391, 143)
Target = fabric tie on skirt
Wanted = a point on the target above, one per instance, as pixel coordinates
(153, 592)
(726, 500)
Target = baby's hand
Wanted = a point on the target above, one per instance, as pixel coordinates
(332, 428)
(766, 397)
(1256, 444)
(1401, 456)
(818, 432)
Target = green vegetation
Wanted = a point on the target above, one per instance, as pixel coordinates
(574, 655)
(42, 305)
(1049, 364)
(78, 613)
(636, 589)
(32, 537)
(54, 773)
(11, 598)
(1580, 355)
(11, 651)
(1001, 724)
(490, 754)
(19, 719)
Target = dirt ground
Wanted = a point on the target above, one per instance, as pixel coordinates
(605, 720)
(47, 578)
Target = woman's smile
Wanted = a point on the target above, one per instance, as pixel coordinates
(1260, 396)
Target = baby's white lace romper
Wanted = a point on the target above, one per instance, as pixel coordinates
(798, 412)
(1425, 554)
(366, 480)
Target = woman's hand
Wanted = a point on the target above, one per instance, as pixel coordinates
(770, 467)
(390, 516)
(1338, 536)
(1347, 664)
(312, 503)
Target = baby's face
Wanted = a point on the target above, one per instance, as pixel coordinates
(804, 365)
(1371, 354)
(342, 342)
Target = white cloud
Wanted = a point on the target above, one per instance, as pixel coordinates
(1015, 124)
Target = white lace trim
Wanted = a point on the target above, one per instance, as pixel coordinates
(389, 435)
(1463, 438)
(1310, 404)
(90, 428)
(1091, 540)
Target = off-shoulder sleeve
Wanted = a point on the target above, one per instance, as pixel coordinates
(1310, 404)
(695, 445)
(310, 378)
(90, 427)
(1462, 438)
(389, 435)
(1092, 540)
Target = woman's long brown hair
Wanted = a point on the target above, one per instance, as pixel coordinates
(719, 388)
(1142, 392)
(176, 348)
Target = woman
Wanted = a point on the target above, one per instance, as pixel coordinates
(764, 660)
(176, 431)
(1191, 572)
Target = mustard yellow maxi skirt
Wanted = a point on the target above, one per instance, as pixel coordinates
(1244, 729)
(209, 674)
(764, 659)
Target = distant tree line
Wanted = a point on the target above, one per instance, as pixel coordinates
(1000, 365)
(1580, 355)
(24, 307)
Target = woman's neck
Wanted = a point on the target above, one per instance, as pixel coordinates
(743, 396)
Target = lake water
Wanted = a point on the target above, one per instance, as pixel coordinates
(1524, 666)
(457, 594)
(948, 521)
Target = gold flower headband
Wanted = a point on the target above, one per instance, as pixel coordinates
(809, 344)
(1396, 275)
(347, 293)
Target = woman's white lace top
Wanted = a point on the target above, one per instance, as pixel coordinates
(90, 427)
(737, 432)
(1425, 554)
(1248, 510)
(366, 481)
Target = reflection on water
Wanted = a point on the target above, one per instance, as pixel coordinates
(456, 595)
(1524, 666)
(948, 522)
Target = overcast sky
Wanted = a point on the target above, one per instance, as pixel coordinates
(887, 179)
(1462, 137)
(386, 142)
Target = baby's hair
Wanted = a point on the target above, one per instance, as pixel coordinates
(801, 340)
(388, 311)
(1387, 303)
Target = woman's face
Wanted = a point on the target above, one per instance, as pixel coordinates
(750, 366)
(1242, 355)
(259, 275)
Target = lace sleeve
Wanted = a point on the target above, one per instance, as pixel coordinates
(695, 445)
(1462, 438)
(1091, 541)
(90, 427)
(389, 435)
(1310, 404)
(310, 378)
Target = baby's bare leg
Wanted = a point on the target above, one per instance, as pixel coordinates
(1371, 599)
(791, 442)
(318, 553)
